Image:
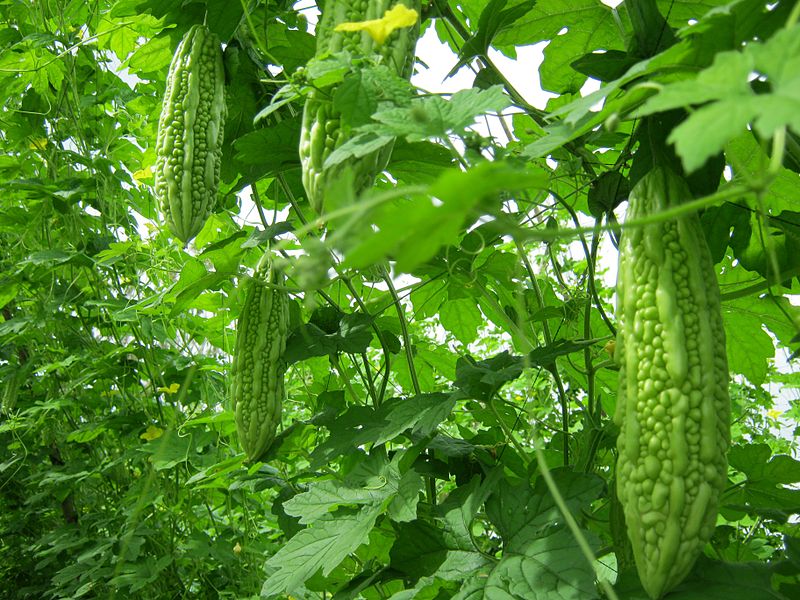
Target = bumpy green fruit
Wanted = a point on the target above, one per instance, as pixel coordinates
(190, 133)
(258, 367)
(322, 129)
(673, 407)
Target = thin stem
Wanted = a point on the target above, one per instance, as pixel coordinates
(585, 549)
(760, 286)
(510, 324)
(657, 217)
(346, 380)
(794, 16)
(548, 338)
(591, 262)
(369, 380)
(356, 296)
(431, 482)
(259, 206)
(523, 453)
(404, 331)
(587, 331)
(778, 150)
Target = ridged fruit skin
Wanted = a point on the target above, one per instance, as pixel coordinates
(258, 367)
(190, 133)
(322, 130)
(673, 407)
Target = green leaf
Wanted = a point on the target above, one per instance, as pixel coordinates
(482, 379)
(269, 150)
(545, 356)
(403, 507)
(748, 160)
(709, 128)
(443, 362)
(731, 102)
(435, 116)
(85, 434)
(718, 221)
(749, 346)
(607, 192)
(356, 98)
(50, 257)
(324, 497)
(427, 299)
(766, 244)
(422, 414)
(290, 46)
(420, 162)
(495, 17)
(756, 461)
(361, 425)
(8, 292)
(261, 237)
(226, 254)
(764, 499)
(152, 56)
(462, 506)
(355, 330)
(590, 26)
(320, 547)
(168, 450)
(522, 513)
(462, 318)
(193, 281)
(353, 335)
(605, 66)
(358, 146)
(414, 230)
(421, 551)
(550, 567)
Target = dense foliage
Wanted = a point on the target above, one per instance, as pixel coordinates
(450, 378)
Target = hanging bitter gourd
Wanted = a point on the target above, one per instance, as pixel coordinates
(322, 129)
(190, 133)
(673, 406)
(258, 367)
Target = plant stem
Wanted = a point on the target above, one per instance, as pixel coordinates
(548, 339)
(580, 539)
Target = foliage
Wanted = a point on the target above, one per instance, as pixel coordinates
(447, 429)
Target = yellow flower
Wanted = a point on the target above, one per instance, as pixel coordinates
(152, 433)
(172, 389)
(143, 174)
(379, 29)
(38, 144)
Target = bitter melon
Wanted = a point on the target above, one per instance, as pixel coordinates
(190, 133)
(322, 129)
(258, 368)
(673, 407)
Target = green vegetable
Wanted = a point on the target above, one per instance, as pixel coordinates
(190, 131)
(322, 128)
(673, 407)
(258, 367)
